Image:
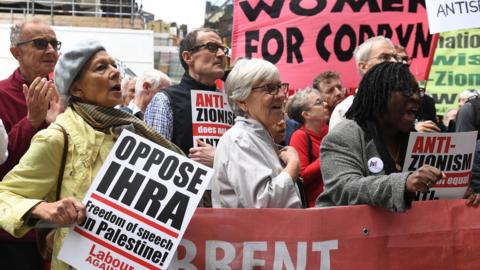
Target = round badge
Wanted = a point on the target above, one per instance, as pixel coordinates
(375, 165)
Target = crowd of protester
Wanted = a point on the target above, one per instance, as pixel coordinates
(56, 134)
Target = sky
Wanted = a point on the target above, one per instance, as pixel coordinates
(190, 12)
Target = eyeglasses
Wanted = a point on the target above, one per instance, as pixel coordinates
(404, 59)
(318, 102)
(273, 88)
(211, 47)
(42, 43)
(414, 92)
(384, 57)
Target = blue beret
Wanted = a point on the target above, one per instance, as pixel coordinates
(71, 63)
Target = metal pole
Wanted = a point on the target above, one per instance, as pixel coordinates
(131, 13)
(121, 13)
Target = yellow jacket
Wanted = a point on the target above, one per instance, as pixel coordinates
(35, 177)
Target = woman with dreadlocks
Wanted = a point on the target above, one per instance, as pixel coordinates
(362, 158)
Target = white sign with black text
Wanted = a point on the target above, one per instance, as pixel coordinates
(448, 15)
(138, 208)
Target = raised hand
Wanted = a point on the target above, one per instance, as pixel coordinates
(38, 97)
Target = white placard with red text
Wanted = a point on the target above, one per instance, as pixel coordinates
(138, 208)
(211, 116)
(452, 153)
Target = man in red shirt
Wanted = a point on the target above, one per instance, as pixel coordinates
(28, 103)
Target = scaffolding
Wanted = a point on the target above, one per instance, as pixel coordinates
(121, 9)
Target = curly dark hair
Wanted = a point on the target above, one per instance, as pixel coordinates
(377, 84)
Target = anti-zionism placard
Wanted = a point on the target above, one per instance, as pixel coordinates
(138, 208)
(452, 153)
(211, 116)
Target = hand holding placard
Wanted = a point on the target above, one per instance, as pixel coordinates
(138, 208)
(423, 178)
(203, 153)
(64, 212)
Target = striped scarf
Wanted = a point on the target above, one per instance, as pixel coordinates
(103, 118)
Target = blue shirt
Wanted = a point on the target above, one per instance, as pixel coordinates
(159, 115)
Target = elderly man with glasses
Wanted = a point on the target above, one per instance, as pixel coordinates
(28, 103)
(377, 50)
(371, 52)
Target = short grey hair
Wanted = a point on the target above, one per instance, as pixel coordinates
(16, 31)
(154, 77)
(469, 93)
(300, 103)
(362, 52)
(243, 76)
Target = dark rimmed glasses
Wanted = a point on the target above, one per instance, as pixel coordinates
(273, 88)
(211, 47)
(42, 43)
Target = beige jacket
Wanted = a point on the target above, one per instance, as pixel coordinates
(34, 178)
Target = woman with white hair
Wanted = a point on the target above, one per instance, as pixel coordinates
(250, 172)
(307, 108)
(55, 173)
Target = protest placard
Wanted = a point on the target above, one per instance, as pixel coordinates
(138, 208)
(452, 153)
(299, 35)
(447, 15)
(211, 116)
(455, 67)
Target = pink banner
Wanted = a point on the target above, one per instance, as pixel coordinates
(305, 38)
(432, 235)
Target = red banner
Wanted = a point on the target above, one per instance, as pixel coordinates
(306, 37)
(432, 235)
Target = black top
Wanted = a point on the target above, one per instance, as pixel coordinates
(180, 102)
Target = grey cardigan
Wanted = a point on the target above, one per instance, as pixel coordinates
(346, 155)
